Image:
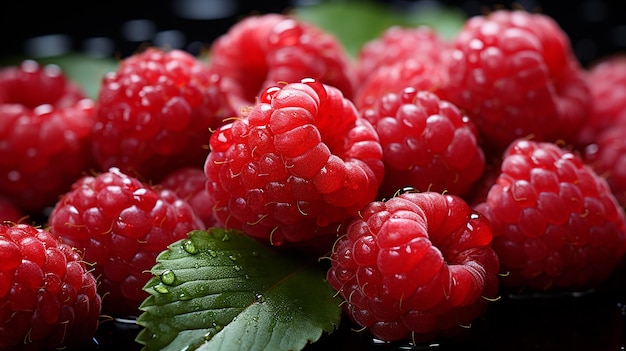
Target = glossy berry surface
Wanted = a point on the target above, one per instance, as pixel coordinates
(261, 51)
(155, 114)
(299, 163)
(45, 134)
(556, 223)
(515, 75)
(48, 295)
(428, 143)
(398, 58)
(415, 266)
(606, 80)
(121, 224)
(189, 183)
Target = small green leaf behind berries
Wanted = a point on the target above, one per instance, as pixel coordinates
(221, 290)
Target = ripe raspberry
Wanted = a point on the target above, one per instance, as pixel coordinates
(45, 134)
(8, 212)
(300, 162)
(397, 44)
(398, 58)
(154, 114)
(556, 224)
(48, 298)
(121, 224)
(427, 143)
(420, 75)
(418, 264)
(189, 183)
(261, 51)
(514, 73)
(607, 82)
(607, 156)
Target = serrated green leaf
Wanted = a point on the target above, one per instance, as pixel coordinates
(221, 290)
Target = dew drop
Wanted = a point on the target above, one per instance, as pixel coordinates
(259, 298)
(219, 327)
(161, 288)
(190, 247)
(184, 296)
(212, 253)
(232, 257)
(168, 277)
(237, 268)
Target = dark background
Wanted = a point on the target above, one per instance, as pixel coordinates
(596, 27)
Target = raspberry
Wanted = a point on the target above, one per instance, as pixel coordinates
(418, 264)
(9, 212)
(396, 44)
(556, 224)
(299, 163)
(607, 156)
(45, 133)
(189, 183)
(398, 58)
(121, 224)
(515, 75)
(154, 114)
(260, 51)
(607, 83)
(48, 297)
(427, 143)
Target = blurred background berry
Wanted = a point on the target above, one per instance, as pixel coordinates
(118, 28)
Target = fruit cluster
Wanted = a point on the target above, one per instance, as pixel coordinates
(434, 173)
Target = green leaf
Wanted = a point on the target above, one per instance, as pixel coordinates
(221, 290)
(356, 22)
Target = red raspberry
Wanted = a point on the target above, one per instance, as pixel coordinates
(607, 82)
(398, 58)
(514, 73)
(155, 112)
(428, 143)
(397, 44)
(9, 212)
(556, 224)
(607, 156)
(189, 183)
(300, 162)
(418, 264)
(261, 51)
(121, 224)
(420, 75)
(45, 134)
(48, 297)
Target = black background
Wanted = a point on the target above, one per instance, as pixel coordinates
(596, 27)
